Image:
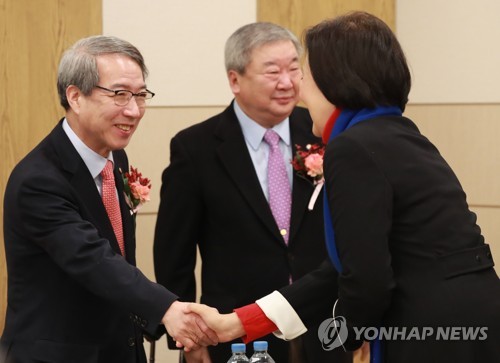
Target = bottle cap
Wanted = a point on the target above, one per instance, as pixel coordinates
(238, 348)
(260, 345)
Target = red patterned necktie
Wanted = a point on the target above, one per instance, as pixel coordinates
(110, 200)
(280, 196)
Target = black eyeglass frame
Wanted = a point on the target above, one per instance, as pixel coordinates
(149, 94)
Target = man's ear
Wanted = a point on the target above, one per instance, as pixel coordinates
(234, 81)
(73, 95)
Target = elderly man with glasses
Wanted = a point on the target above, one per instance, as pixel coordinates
(74, 293)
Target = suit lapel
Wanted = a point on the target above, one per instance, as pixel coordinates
(83, 183)
(128, 220)
(234, 155)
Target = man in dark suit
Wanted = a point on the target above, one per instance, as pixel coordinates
(74, 293)
(215, 194)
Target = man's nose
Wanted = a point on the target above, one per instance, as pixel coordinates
(132, 108)
(285, 80)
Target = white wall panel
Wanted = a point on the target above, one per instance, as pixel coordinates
(183, 44)
(453, 48)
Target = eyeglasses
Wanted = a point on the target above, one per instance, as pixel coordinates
(122, 97)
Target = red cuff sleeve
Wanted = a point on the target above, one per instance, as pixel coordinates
(255, 322)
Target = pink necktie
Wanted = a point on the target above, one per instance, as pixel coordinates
(111, 204)
(280, 197)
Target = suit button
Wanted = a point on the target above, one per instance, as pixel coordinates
(131, 342)
(144, 323)
(489, 255)
(478, 258)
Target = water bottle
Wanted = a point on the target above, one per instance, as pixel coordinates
(238, 356)
(260, 354)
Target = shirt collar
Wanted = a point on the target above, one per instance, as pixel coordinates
(254, 133)
(94, 162)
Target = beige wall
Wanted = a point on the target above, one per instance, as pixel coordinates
(452, 48)
(183, 44)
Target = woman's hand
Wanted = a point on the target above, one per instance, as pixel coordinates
(227, 326)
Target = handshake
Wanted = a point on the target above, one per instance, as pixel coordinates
(193, 326)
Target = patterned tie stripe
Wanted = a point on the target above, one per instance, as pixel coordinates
(110, 200)
(280, 196)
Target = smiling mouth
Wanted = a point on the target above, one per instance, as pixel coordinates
(124, 127)
(284, 99)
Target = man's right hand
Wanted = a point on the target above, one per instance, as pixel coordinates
(187, 328)
(227, 326)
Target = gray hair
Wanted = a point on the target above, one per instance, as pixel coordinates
(78, 64)
(244, 40)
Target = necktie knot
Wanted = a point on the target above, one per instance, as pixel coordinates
(107, 172)
(272, 138)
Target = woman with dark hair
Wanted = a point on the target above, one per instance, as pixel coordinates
(411, 262)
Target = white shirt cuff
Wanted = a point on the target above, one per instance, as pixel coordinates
(281, 313)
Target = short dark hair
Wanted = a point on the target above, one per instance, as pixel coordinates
(357, 62)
